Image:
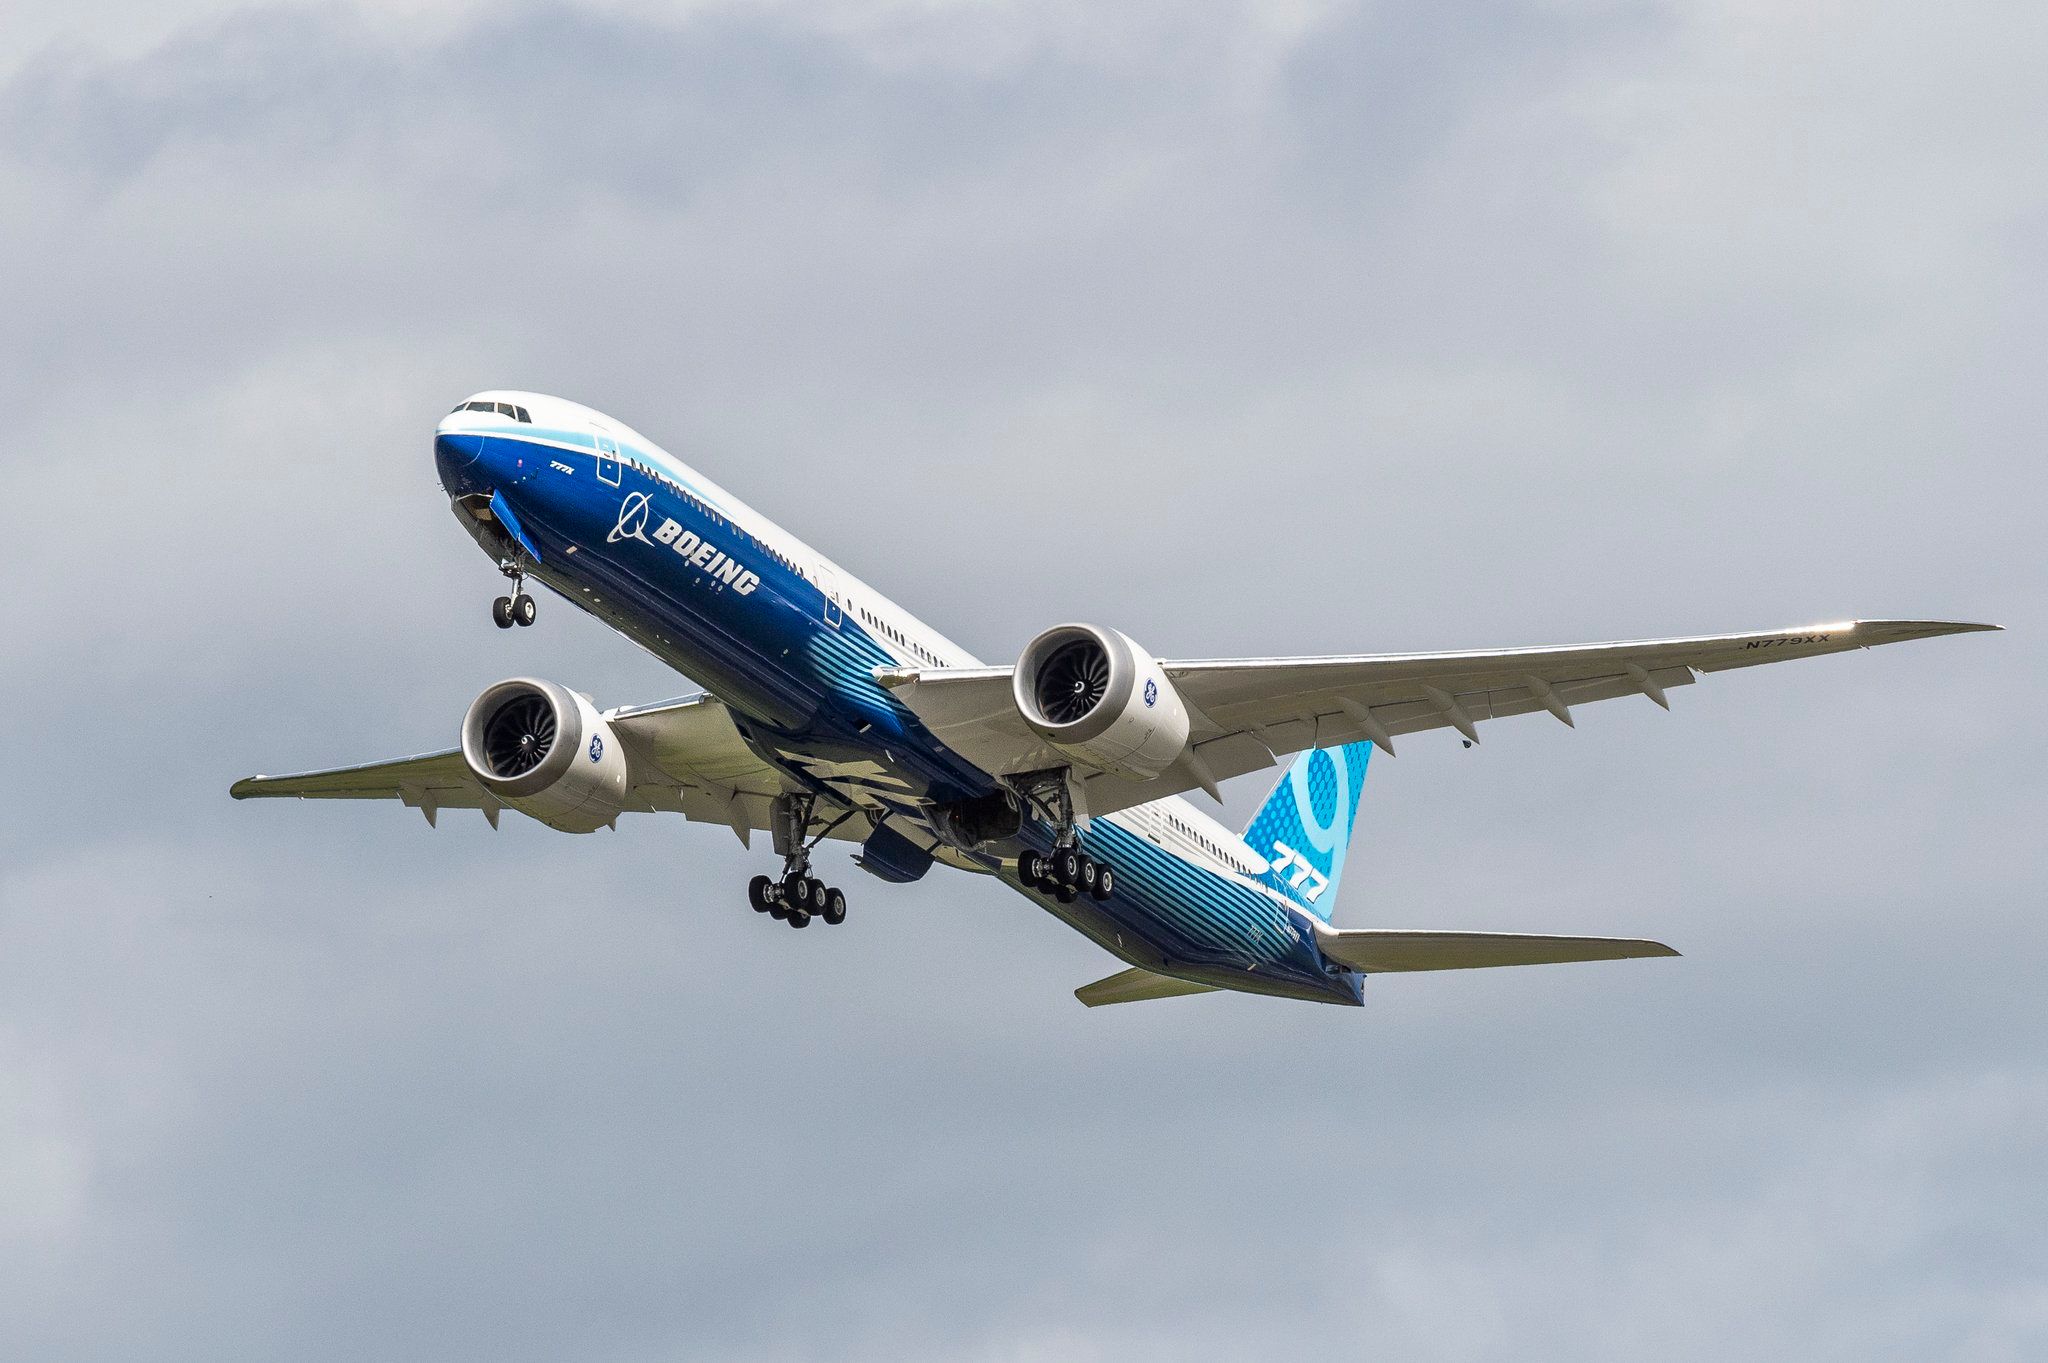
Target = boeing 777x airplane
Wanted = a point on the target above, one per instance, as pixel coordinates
(831, 712)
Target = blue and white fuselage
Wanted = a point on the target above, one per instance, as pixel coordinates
(791, 644)
(831, 712)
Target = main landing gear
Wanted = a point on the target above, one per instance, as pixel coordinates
(518, 608)
(799, 896)
(1067, 872)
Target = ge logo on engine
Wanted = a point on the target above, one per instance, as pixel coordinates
(596, 746)
(1151, 693)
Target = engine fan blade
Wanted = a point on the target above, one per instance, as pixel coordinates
(520, 736)
(1073, 682)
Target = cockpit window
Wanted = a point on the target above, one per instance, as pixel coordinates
(496, 409)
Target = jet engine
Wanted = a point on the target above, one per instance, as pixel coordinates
(545, 751)
(1096, 695)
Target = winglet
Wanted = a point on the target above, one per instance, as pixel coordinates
(1927, 628)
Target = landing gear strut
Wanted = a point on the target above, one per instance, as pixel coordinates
(798, 896)
(518, 608)
(1067, 872)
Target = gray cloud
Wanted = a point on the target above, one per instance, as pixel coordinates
(1361, 328)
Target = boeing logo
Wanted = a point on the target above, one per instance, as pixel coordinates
(707, 558)
(632, 522)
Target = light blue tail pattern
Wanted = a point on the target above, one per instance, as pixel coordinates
(1305, 825)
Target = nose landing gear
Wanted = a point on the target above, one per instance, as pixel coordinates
(508, 611)
(518, 608)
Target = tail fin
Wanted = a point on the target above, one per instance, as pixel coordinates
(1305, 825)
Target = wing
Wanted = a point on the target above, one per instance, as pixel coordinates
(430, 781)
(1247, 713)
(684, 756)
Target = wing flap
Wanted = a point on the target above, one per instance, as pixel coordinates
(1386, 950)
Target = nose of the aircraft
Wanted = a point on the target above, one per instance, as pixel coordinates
(458, 457)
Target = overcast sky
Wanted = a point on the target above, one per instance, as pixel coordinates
(1245, 328)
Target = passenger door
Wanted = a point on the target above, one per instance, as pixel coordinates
(607, 459)
(829, 585)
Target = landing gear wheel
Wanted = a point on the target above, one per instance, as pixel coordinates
(1085, 878)
(1031, 870)
(1105, 882)
(1066, 866)
(524, 609)
(760, 894)
(835, 908)
(501, 612)
(793, 891)
(1064, 893)
(799, 918)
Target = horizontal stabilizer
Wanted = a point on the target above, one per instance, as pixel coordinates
(1378, 950)
(1130, 986)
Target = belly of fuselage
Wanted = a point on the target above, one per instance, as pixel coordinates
(1177, 918)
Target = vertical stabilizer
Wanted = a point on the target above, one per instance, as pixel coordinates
(1304, 828)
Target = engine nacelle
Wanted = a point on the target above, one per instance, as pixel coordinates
(1094, 694)
(545, 751)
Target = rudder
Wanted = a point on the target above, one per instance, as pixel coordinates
(1303, 830)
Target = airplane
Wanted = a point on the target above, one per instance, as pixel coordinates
(831, 713)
